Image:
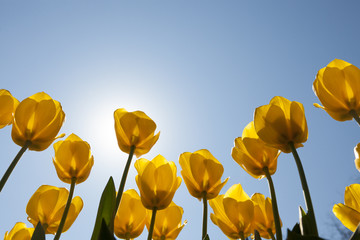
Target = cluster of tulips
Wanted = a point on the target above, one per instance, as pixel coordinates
(279, 126)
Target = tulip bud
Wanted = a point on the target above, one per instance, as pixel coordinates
(47, 205)
(157, 182)
(338, 88)
(19, 232)
(280, 123)
(253, 155)
(202, 173)
(37, 120)
(73, 159)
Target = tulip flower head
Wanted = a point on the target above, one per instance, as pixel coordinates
(73, 159)
(202, 173)
(8, 105)
(37, 120)
(130, 217)
(253, 155)
(47, 205)
(280, 123)
(338, 88)
(135, 129)
(19, 232)
(263, 216)
(349, 213)
(233, 213)
(168, 222)
(157, 182)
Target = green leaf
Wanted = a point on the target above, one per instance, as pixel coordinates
(356, 234)
(206, 237)
(305, 223)
(296, 229)
(106, 208)
(105, 233)
(39, 233)
(295, 235)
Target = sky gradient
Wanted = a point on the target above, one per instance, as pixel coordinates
(198, 69)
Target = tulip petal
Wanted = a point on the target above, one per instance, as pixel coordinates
(349, 217)
(352, 196)
(237, 192)
(134, 129)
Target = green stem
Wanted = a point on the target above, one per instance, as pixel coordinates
(121, 186)
(256, 235)
(13, 164)
(152, 223)
(271, 234)
(354, 114)
(305, 188)
(274, 204)
(45, 226)
(242, 236)
(66, 210)
(204, 229)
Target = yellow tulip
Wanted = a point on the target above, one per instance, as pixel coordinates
(8, 105)
(253, 155)
(168, 222)
(47, 205)
(233, 213)
(37, 120)
(357, 158)
(202, 173)
(134, 129)
(263, 216)
(281, 122)
(19, 232)
(130, 217)
(338, 88)
(73, 159)
(157, 182)
(349, 213)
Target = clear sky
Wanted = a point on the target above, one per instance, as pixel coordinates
(198, 69)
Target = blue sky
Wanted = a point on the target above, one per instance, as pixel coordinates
(198, 69)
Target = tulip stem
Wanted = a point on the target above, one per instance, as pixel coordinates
(13, 164)
(354, 114)
(204, 229)
(274, 204)
(152, 223)
(66, 210)
(271, 234)
(121, 187)
(305, 188)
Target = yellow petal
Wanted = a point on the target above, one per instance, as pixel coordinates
(37, 119)
(8, 106)
(352, 196)
(75, 208)
(237, 192)
(134, 129)
(19, 232)
(192, 186)
(280, 123)
(348, 216)
(73, 159)
(337, 87)
(240, 213)
(214, 191)
(157, 182)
